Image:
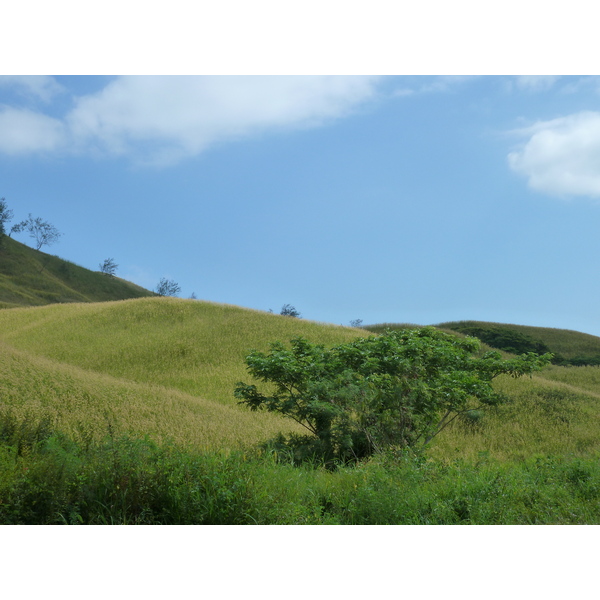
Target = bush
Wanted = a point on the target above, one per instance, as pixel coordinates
(397, 389)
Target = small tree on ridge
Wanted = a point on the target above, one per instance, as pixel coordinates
(109, 267)
(41, 231)
(287, 310)
(167, 287)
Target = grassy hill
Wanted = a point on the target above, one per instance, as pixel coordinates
(29, 277)
(168, 367)
(165, 367)
(569, 347)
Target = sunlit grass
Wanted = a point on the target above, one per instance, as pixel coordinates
(87, 405)
(168, 367)
(192, 346)
(541, 417)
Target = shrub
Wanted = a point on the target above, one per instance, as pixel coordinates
(397, 389)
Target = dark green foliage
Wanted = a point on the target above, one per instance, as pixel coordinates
(580, 361)
(132, 481)
(398, 389)
(167, 287)
(49, 479)
(287, 310)
(109, 267)
(504, 339)
(5, 216)
(23, 433)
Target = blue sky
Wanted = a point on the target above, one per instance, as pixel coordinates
(415, 199)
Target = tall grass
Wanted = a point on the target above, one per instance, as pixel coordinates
(191, 346)
(87, 405)
(123, 413)
(167, 368)
(121, 480)
(540, 417)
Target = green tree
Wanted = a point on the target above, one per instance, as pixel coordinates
(398, 389)
(287, 310)
(167, 287)
(109, 267)
(5, 216)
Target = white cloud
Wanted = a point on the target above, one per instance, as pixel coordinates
(182, 116)
(536, 83)
(161, 120)
(562, 156)
(439, 84)
(23, 131)
(42, 87)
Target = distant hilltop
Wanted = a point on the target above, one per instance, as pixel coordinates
(29, 277)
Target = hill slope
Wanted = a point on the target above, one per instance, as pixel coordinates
(29, 277)
(167, 367)
(570, 347)
(89, 406)
(193, 346)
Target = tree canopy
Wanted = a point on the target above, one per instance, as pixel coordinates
(398, 389)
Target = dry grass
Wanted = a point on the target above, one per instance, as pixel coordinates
(88, 405)
(168, 367)
(191, 346)
(542, 417)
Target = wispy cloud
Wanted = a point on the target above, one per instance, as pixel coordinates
(161, 120)
(41, 87)
(23, 131)
(440, 84)
(561, 157)
(536, 83)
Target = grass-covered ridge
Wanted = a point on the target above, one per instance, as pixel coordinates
(192, 354)
(86, 405)
(188, 345)
(104, 375)
(165, 367)
(30, 277)
(570, 347)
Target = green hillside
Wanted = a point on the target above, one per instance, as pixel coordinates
(166, 368)
(191, 354)
(570, 347)
(29, 277)
(122, 357)
(193, 346)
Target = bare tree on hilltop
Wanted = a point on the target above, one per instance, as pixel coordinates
(44, 233)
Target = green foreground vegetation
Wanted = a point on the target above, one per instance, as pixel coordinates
(46, 478)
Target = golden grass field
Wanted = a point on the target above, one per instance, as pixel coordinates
(164, 367)
(167, 367)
